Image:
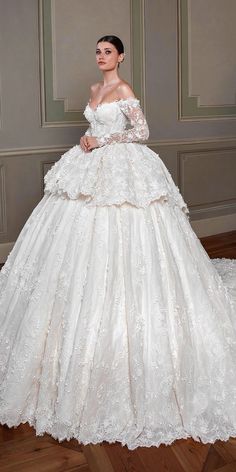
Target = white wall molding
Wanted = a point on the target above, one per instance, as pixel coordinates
(155, 143)
(24, 151)
(3, 205)
(212, 226)
(5, 249)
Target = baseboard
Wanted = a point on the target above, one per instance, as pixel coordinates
(216, 225)
(5, 248)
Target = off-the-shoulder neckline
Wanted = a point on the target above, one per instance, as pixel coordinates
(114, 101)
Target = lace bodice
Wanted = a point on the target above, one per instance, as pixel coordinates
(121, 169)
(108, 122)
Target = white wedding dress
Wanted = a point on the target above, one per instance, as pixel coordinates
(115, 323)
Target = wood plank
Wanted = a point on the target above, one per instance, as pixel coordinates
(227, 468)
(220, 245)
(97, 458)
(191, 454)
(213, 460)
(26, 452)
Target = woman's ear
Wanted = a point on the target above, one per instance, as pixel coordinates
(121, 57)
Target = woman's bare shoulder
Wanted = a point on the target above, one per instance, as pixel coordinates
(94, 88)
(125, 90)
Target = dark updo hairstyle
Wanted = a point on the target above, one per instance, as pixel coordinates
(110, 38)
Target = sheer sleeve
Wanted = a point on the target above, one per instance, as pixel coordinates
(139, 130)
(88, 132)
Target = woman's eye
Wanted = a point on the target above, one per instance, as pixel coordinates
(108, 52)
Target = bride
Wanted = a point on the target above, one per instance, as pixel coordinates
(115, 323)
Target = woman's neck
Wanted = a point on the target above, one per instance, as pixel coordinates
(110, 77)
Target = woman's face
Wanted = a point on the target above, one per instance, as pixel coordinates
(107, 56)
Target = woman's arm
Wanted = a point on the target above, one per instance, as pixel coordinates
(139, 130)
(131, 108)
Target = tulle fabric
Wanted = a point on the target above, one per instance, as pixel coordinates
(116, 326)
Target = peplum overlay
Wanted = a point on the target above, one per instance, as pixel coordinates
(112, 175)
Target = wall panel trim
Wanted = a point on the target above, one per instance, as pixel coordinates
(53, 112)
(3, 205)
(188, 108)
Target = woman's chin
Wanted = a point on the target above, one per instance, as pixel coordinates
(105, 67)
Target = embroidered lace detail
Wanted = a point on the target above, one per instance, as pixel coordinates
(139, 131)
(88, 132)
(159, 330)
(123, 172)
(150, 357)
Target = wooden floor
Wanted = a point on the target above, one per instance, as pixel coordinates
(221, 245)
(22, 451)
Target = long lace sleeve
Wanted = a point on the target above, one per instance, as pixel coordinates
(88, 132)
(139, 130)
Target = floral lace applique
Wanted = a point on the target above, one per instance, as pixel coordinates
(139, 131)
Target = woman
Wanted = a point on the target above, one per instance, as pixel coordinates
(115, 324)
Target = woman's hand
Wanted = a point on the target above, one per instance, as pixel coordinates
(88, 143)
(91, 143)
(84, 143)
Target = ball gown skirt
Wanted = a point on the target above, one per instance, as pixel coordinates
(115, 323)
